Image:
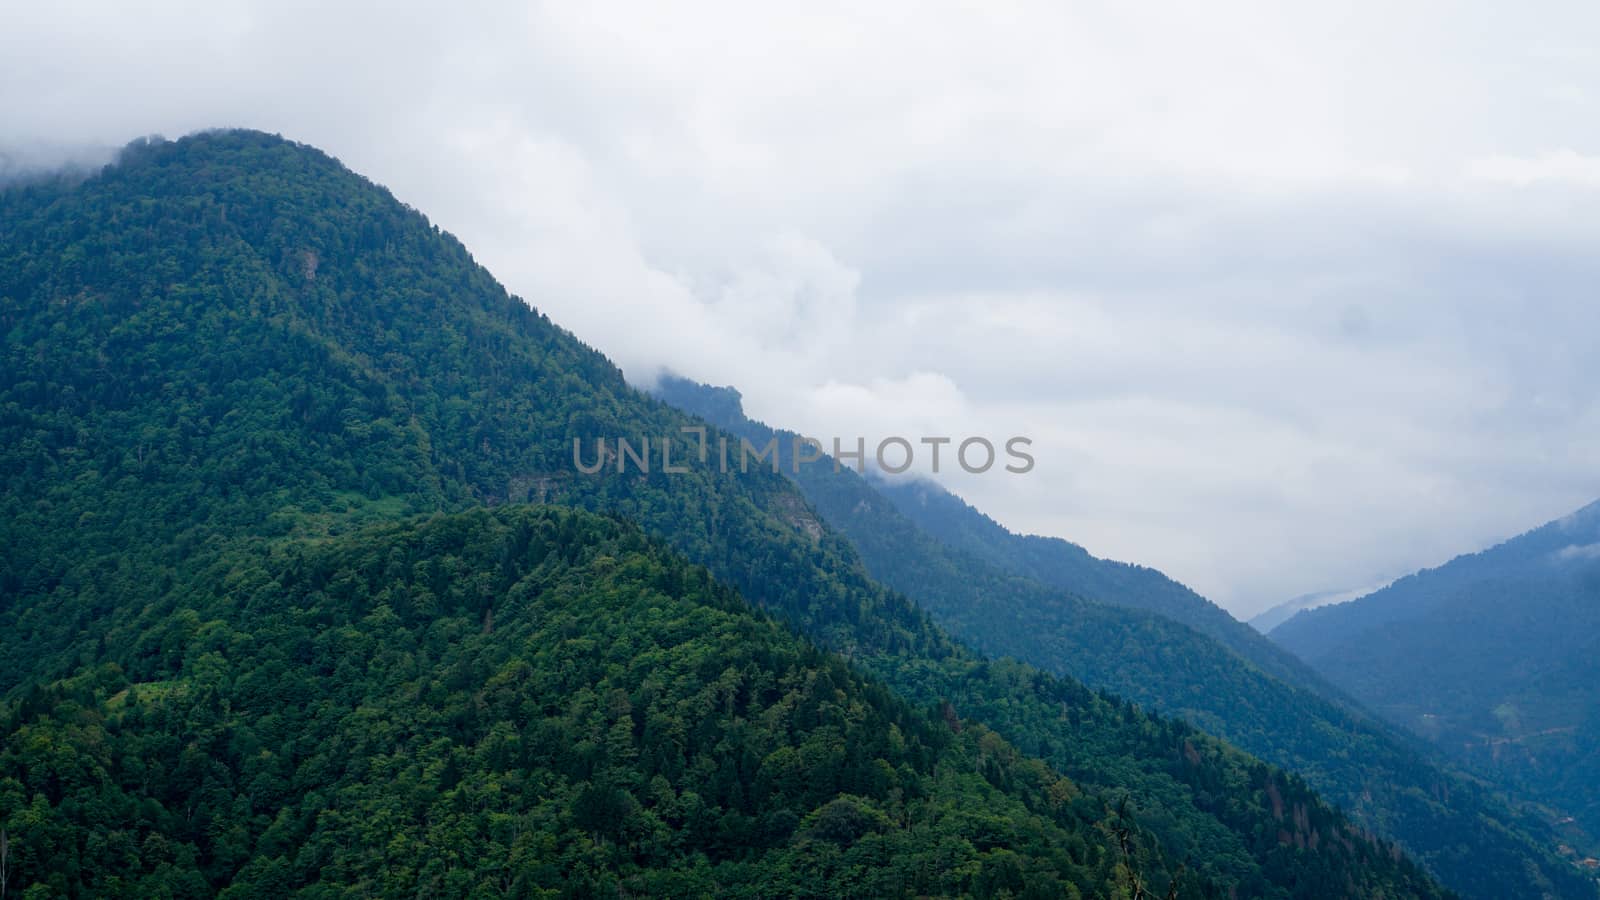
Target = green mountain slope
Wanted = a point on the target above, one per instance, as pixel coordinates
(1062, 564)
(1495, 656)
(522, 703)
(974, 578)
(228, 345)
(1564, 547)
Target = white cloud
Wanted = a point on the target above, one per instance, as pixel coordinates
(1585, 551)
(1263, 282)
(1562, 167)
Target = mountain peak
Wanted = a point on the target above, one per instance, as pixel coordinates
(718, 405)
(227, 356)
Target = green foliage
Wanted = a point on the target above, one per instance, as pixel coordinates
(226, 356)
(526, 703)
(1007, 594)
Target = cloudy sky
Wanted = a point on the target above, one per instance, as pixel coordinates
(1288, 299)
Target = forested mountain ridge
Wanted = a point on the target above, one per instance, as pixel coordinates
(1566, 545)
(228, 347)
(1061, 564)
(525, 702)
(1494, 655)
(976, 579)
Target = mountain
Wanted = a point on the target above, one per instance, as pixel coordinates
(517, 702)
(258, 636)
(1495, 656)
(1569, 545)
(1271, 618)
(1158, 643)
(1064, 565)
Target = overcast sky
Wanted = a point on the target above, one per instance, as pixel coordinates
(1288, 300)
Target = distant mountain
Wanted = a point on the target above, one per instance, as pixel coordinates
(1568, 545)
(260, 635)
(1495, 656)
(986, 586)
(1064, 565)
(1265, 621)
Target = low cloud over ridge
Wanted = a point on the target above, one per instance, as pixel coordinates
(1287, 300)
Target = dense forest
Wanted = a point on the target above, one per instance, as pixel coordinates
(233, 374)
(1036, 599)
(527, 703)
